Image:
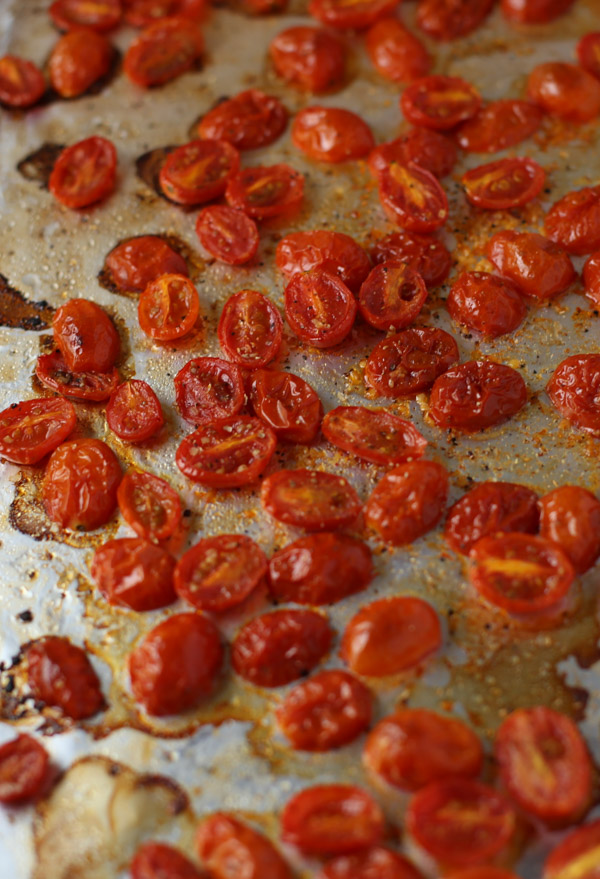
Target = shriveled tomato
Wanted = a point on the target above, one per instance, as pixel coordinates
(277, 648)
(426, 255)
(288, 404)
(577, 855)
(414, 746)
(163, 51)
(395, 52)
(218, 573)
(591, 279)
(155, 860)
(565, 90)
(430, 149)
(357, 15)
(309, 57)
(534, 11)
(319, 308)
(249, 120)
(573, 221)
(52, 371)
(451, 19)
(61, 675)
(227, 234)
(86, 336)
(149, 505)
(23, 769)
(570, 517)
(134, 263)
(460, 822)
(78, 60)
(33, 428)
(133, 572)
(486, 303)
(134, 412)
(410, 361)
(408, 502)
(588, 53)
(412, 197)
(331, 252)
(440, 102)
(373, 434)
(250, 329)
(84, 173)
(500, 125)
(332, 819)
(265, 192)
(168, 308)
(141, 13)
(310, 499)
(539, 268)
(198, 171)
(574, 390)
(507, 183)
(176, 665)
(370, 863)
(392, 296)
(320, 569)
(227, 454)
(490, 508)
(208, 389)
(331, 134)
(228, 846)
(101, 15)
(22, 84)
(476, 395)
(80, 484)
(544, 764)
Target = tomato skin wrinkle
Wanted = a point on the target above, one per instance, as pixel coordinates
(412, 197)
(374, 435)
(333, 252)
(425, 254)
(311, 499)
(287, 404)
(499, 125)
(331, 134)
(149, 505)
(33, 428)
(310, 58)
(135, 573)
(135, 262)
(570, 517)
(60, 674)
(86, 336)
(573, 222)
(410, 361)
(391, 296)
(208, 390)
(540, 268)
(573, 391)
(248, 120)
(486, 303)
(476, 395)
(451, 19)
(489, 508)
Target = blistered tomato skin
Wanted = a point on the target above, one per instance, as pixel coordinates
(155, 860)
(412, 197)
(227, 234)
(228, 846)
(72, 14)
(357, 16)
(163, 51)
(396, 53)
(565, 90)
(506, 183)
(539, 267)
(588, 53)
(570, 516)
(440, 102)
(53, 373)
(486, 303)
(321, 249)
(309, 57)
(198, 171)
(487, 509)
(476, 395)
(410, 361)
(331, 134)
(149, 505)
(249, 120)
(451, 19)
(134, 412)
(287, 404)
(577, 854)
(133, 572)
(591, 279)
(574, 390)
(374, 435)
(84, 173)
(425, 254)
(392, 296)
(33, 428)
(310, 499)
(499, 125)
(209, 389)
(61, 675)
(78, 60)
(319, 308)
(250, 329)
(86, 336)
(370, 863)
(134, 263)
(573, 222)
(22, 84)
(534, 11)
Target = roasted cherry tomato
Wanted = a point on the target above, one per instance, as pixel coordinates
(460, 822)
(408, 502)
(588, 53)
(175, 666)
(227, 234)
(249, 120)
(358, 15)
(32, 429)
(84, 173)
(483, 873)
(370, 863)
(288, 404)
(544, 764)
(265, 192)
(409, 362)
(395, 52)
(573, 221)
(414, 746)
(208, 389)
(476, 395)
(141, 13)
(134, 412)
(570, 517)
(374, 435)
(135, 573)
(429, 149)
(331, 134)
(440, 102)
(218, 573)
(574, 390)
(264, 7)
(227, 454)
(86, 336)
(451, 19)
(331, 252)
(23, 769)
(149, 505)
(577, 855)
(198, 171)
(565, 90)
(319, 308)
(392, 296)
(499, 125)
(507, 183)
(134, 263)
(52, 372)
(78, 60)
(155, 860)
(427, 256)
(488, 509)
(277, 648)
(486, 303)
(80, 484)
(168, 308)
(227, 846)
(250, 329)
(412, 197)
(332, 819)
(310, 499)
(309, 57)
(539, 268)
(60, 674)
(534, 11)
(100, 15)
(320, 569)
(163, 51)
(591, 279)
(22, 84)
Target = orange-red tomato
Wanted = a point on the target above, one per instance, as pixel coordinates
(476, 395)
(370, 863)
(570, 516)
(101, 15)
(588, 53)
(208, 389)
(573, 221)
(426, 255)
(310, 499)
(506, 183)
(374, 435)
(534, 11)
(395, 52)
(287, 404)
(483, 873)
(227, 234)
(322, 249)
(168, 308)
(331, 134)
(230, 848)
(265, 192)
(264, 7)
(198, 171)
(78, 60)
(451, 19)
(309, 57)
(149, 505)
(432, 150)
(60, 674)
(133, 572)
(155, 860)
(412, 197)
(227, 454)
(23, 769)
(490, 508)
(250, 329)
(84, 173)
(357, 15)
(32, 429)
(52, 371)
(578, 855)
(486, 303)
(86, 336)
(440, 102)
(141, 13)
(22, 84)
(591, 279)
(565, 90)
(319, 308)
(391, 296)
(134, 263)
(574, 390)
(539, 268)
(249, 120)
(410, 361)
(134, 412)
(164, 50)
(499, 125)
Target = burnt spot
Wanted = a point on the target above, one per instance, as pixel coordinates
(18, 312)
(37, 166)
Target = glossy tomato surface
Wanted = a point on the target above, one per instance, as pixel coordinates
(452, 19)
(325, 250)
(490, 508)
(499, 125)
(573, 222)
(577, 855)
(209, 389)
(163, 51)
(227, 234)
(374, 435)
(539, 268)
(570, 517)
(33, 428)
(310, 499)
(574, 390)
(392, 296)
(425, 254)
(61, 675)
(249, 120)
(588, 53)
(168, 308)
(22, 84)
(534, 11)
(370, 863)
(395, 52)
(134, 412)
(440, 102)
(331, 134)
(319, 308)
(149, 505)
(264, 192)
(53, 373)
(101, 16)
(198, 171)
(287, 404)
(155, 860)
(506, 183)
(135, 262)
(591, 279)
(565, 90)
(477, 395)
(23, 769)
(228, 454)
(486, 303)
(84, 173)
(412, 197)
(311, 58)
(410, 361)
(250, 329)
(357, 15)
(227, 845)
(432, 150)
(78, 60)
(133, 572)
(86, 336)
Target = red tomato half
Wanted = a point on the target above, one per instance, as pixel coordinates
(155, 860)
(32, 429)
(588, 53)
(309, 57)
(23, 769)
(534, 11)
(409, 362)
(395, 52)
(452, 19)
(134, 412)
(134, 263)
(578, 855)
(319, 308)
(164, 50)
(287, 404)
(424, 254)
(198, 171)
(132, 572)
(53, 373)
(310, 499)
(488, 509)
(168, 308)
(476, 395)
(591, 279)
(208, 389)
(357, 15)
(331, 134)
(149, 505)
(392, 296)
(141, 13)
(78, 60)
(227, 846)
(60, 674)
(499, 125)
(565, 90)
(573, 221)
(507, 183)
(570, 517)
(249, 120)
(84, 173)
(538, 267)
(227, 454)
(486, 303)
(483, 873)
(22, 84)
(86, 336)
(227, 234)
(374, 435)
(371, 863)
(574, 390)
(100, 15)
(430, 149)
(331, 252)
(265, 192)
(250, 329)
(440, 102)
(412, 197)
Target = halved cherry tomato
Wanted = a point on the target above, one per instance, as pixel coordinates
(410, 361)
(328, 710)
(544, 764)
(60, 674)
(265, 192)
(451, 19)
(408, 502)
(570, 517)
(534, 11)
(538, 267)
(460, 822)
(198, 171)
(154, 860)
(33, 428)
(208, 389)
(476, 395)
(100, 15)
(135, 573)
(591, 279)
(86, 336)
(392, 296)
(176, 665)
(22, 84)
(134, 412)
(332, 819)
(573, 221)
(218, 573)
(577, 856)
(277, 648)
(78, 60)
(310, 499)
(488, 509)
(168, 308)
(227, 454)
(80, 484)
(430, 149)
(373, 434)
(141, 13)
(486, 303)
(565, 90)
(84, 173)
(370, 863)
(424, 254)
(395, 52)
(250, 329)
(320, 569)
(227, 846)
(588, 53)
(134, 263)
(507, 183)
(227, 234)
(287, 403)
(52, 371)
(23, 769)
(413, 747)
(357, 15)
(163, 51)
(574, 390)
(499, 125)
(149, 505)
(331, 252)
(331, 134)
(249, 120)
(412, 197)
(309, 57)
(440, 102)
(319, 308)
